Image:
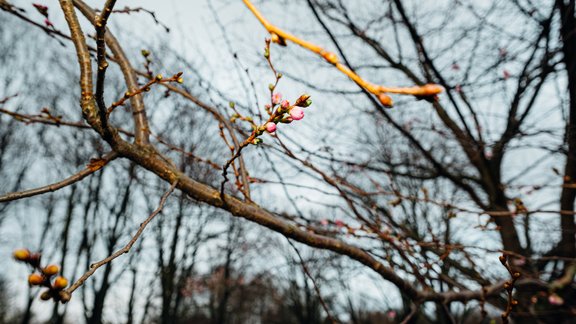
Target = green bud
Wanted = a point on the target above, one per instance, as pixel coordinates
(303, 101)
(256, 141)
(232, 104)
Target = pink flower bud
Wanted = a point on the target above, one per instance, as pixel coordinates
(276, 98)
(285, 104)
(48, 23)
(270, 127)
(296, 113)
(554, 299)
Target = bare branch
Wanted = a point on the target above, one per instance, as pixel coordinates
(280, 36)
(124, 250)
(93, 166)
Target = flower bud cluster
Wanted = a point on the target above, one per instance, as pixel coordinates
(46, 276)
(281, 111)
(278, 110)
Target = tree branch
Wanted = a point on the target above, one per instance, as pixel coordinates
(92, 167)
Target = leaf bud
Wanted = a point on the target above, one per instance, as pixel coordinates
(46, 295)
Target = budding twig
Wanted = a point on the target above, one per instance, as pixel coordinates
(509, 287)
(145, 88)
(279, 36)
(102, 64)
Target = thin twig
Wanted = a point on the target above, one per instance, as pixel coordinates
(93, 166)
(145, 88)
(128, 10)
(309, 275)
(509, 287)
(411, 314)
(125, 249)
(53, 121)
(280, 36)
(102, 63)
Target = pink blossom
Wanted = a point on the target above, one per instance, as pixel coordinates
(270, 127)
(296, 113)
(267, 106)
(391, 314)
(339, 223)
(48, 23)
(554, 299)
(506, 74)
(324, 222)
(285, 104)
(276, 98)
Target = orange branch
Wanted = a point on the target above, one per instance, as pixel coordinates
(280, 36)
